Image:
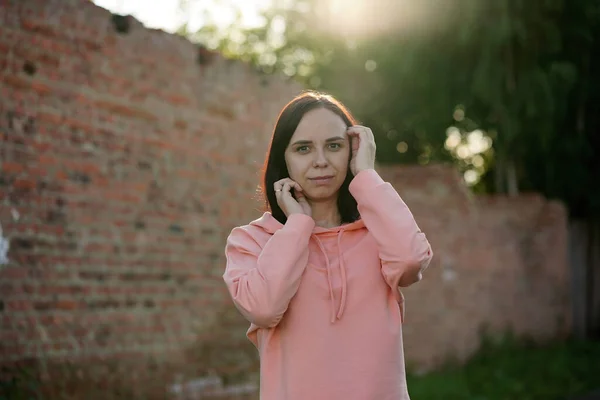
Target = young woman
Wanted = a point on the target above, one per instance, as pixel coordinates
(318, 276)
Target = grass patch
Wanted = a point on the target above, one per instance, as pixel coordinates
(515, 369)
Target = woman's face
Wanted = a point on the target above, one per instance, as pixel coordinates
(318, 154)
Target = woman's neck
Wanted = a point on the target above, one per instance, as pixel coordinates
(326, 214)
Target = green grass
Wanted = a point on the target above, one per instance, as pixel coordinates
(514, 370)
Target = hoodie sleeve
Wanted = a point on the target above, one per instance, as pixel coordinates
(262, 282)
(403, 249)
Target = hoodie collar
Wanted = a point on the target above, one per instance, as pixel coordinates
(270, 225)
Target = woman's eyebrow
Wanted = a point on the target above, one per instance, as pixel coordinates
(304, 142)
(301, 142)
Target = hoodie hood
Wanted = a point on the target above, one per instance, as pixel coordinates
(270, 225)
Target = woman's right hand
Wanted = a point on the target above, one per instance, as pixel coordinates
(286, 201)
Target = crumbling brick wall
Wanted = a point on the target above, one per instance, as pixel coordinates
(126, 155)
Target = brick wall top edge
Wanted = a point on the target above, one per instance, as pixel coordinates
(92, 26)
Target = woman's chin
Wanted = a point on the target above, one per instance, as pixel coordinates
(321, 194)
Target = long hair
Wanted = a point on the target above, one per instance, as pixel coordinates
(275, 167)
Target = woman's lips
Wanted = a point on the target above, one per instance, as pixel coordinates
(322, 180)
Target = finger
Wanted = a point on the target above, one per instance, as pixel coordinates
(281, 182)
(299, 194)
(358, 130)
(286, 188)
(363, 135)
(354, 129)
(298, 191)
(354, 139)
(278, 186)
(291, 183)
(302, 200)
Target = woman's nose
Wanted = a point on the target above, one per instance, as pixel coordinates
(320, 159)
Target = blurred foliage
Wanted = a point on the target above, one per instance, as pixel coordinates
(512, 369)
(517, 72)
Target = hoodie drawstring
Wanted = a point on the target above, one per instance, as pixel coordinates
(343, 273)
(335, 316)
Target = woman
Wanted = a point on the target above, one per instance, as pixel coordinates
(318, 276)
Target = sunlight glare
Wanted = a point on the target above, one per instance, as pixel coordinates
(454, 138)
(223, 13)
(167, 15)
(370, 65)
(477, 161)
(359, 19)
(471, 176)
(476, 142)
(463, 151)
(459, 114)
(402, 147)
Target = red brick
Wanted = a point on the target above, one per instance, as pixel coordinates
(57, 346)
(41, 60)
(47, 118)
(177, 100)
(23, 184)
(37, 27)
(67, 305)
(12, 167)
(126, 110)
(18, 305)
(13, 273)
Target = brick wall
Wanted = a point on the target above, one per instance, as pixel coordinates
(500, 264)
(126, 158)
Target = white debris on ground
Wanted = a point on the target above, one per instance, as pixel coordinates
(4, 246)
(211, 386)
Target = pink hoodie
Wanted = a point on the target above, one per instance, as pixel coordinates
(324, 304)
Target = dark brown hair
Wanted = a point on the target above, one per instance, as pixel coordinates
(275, 167)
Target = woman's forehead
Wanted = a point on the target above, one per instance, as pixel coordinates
(320, 124)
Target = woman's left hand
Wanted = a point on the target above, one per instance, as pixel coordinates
(363, 148)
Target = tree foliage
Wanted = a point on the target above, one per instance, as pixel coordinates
(441, 81)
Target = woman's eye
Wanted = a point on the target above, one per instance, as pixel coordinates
(335, 146)
(302, 149)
